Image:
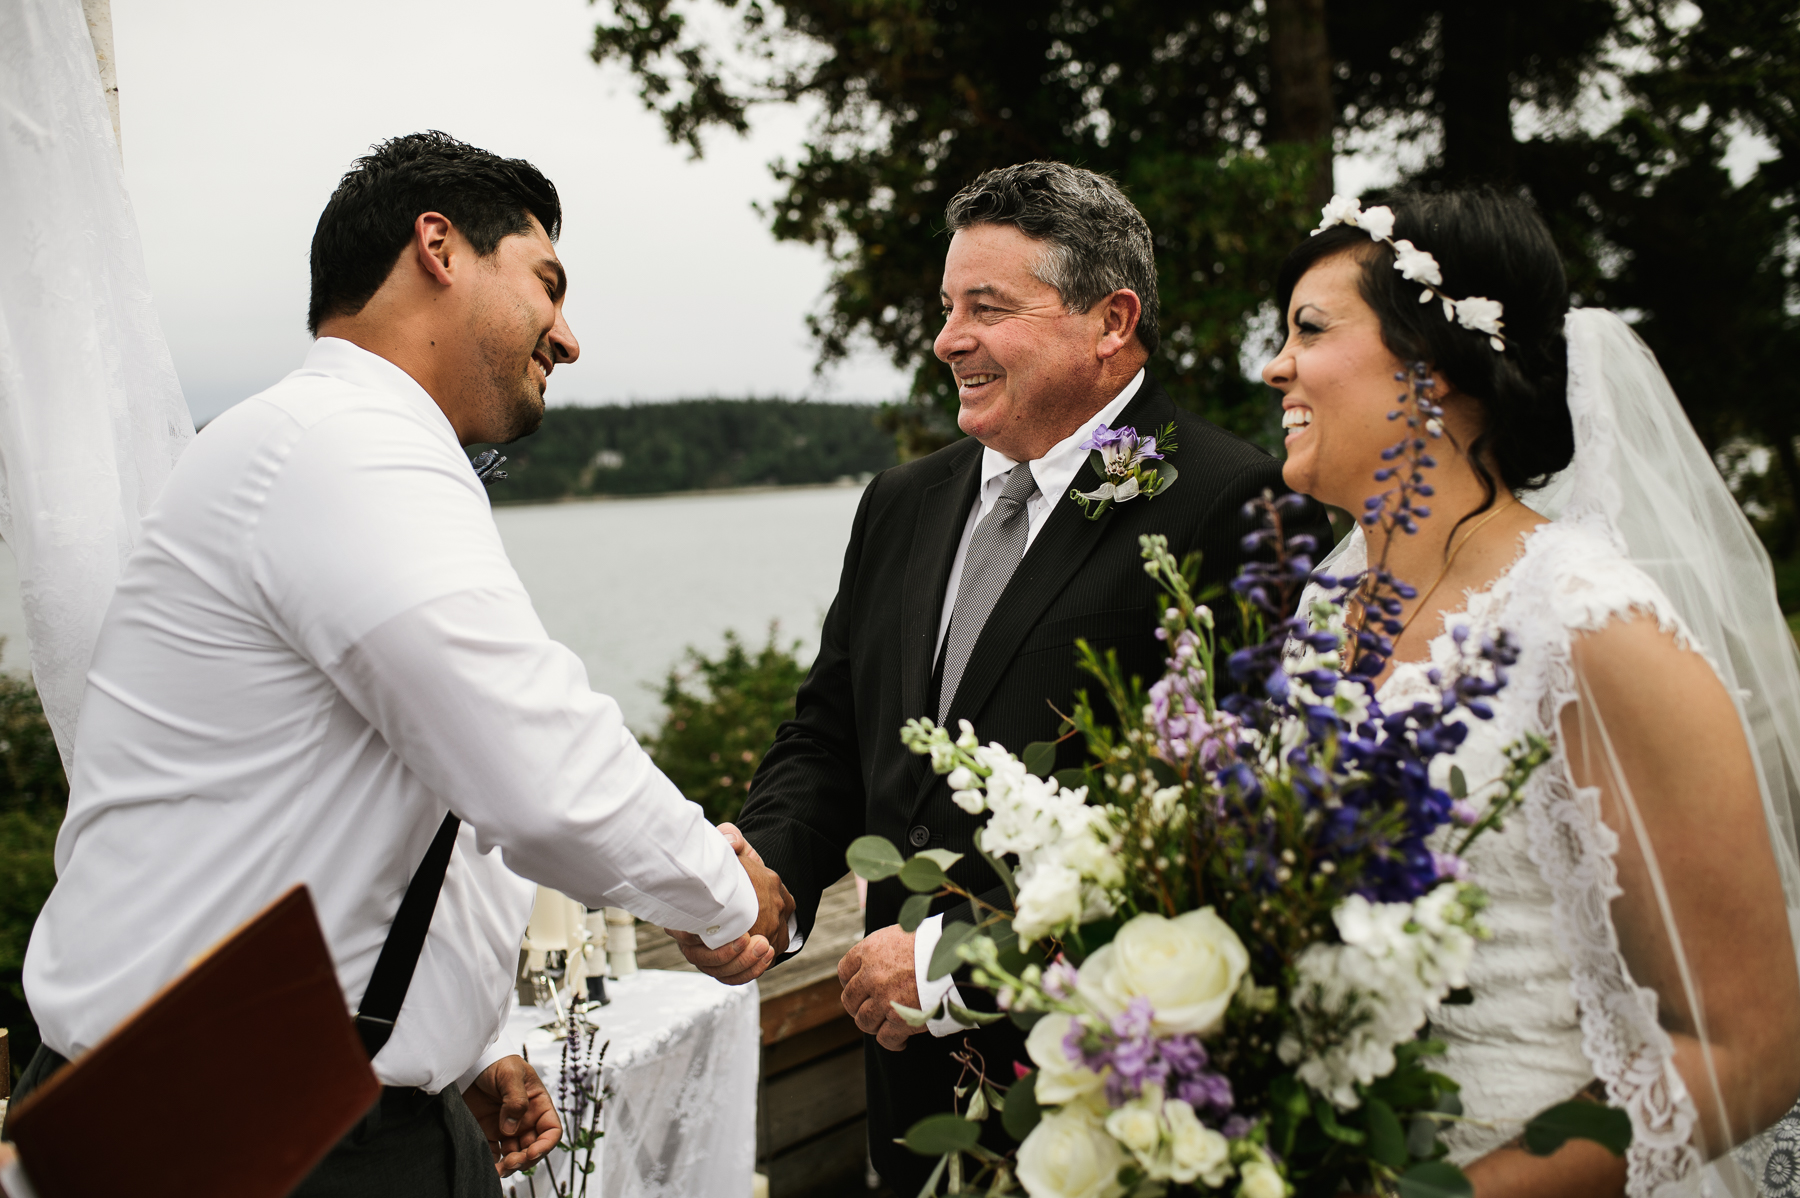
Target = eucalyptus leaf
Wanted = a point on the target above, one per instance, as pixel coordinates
(1039, 757)
(931, 1182)
(1073, 778)
(1435, 1179)
(1026, 1020)
(1459, 785)
(942, 1134)
(1387, 1142)
(1001, 871)
(1022, 1112)
(944, 958)
(1421, 1138)
(1328, 1123)
(912, 1015)
(944, 857)
(974, 1018)
(922, 875)
(874, 858)
(1166, 475)
(913, 912)
(1551, 1129)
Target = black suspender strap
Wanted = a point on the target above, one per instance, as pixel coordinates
(405, 941)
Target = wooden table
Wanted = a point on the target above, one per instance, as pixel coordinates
(811, 1131)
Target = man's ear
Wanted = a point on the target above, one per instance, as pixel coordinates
(432, 246)
(1119, 314)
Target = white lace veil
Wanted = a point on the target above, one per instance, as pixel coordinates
(1641, 479)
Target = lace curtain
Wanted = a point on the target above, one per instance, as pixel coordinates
(91, 415)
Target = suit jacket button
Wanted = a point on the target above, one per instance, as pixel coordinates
(919, 837)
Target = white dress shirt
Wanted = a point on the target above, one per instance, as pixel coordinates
(1055, 473)
(318, 647)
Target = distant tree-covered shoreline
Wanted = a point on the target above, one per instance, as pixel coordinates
(691, 445)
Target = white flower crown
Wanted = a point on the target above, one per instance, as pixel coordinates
(1476, 312)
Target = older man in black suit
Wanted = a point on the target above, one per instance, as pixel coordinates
(969, 576)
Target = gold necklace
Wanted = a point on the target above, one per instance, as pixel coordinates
(1449, 561)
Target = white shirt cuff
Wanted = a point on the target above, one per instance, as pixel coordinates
(932, 993)
(796, 941)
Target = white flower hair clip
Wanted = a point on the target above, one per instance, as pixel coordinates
(1476, 312)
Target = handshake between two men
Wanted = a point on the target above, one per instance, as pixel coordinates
(746, 958)
(877, 972)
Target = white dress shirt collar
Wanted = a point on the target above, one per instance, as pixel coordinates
(349, 362)
(1056, 470)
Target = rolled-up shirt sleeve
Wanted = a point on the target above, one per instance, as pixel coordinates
(415, 614)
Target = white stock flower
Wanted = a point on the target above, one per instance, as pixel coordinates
(972, 801)
(1061, 1078)
(1479, 313)
(1261, 1180)
(1359, 999)
(1069, 1155)
(1188, 967)
(1049, 897)
(1196, 1151)
(962, 778)
(1342, 210)
(1416, 265)
(1377, 222)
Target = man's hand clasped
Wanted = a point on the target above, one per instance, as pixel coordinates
(750, 955)
(515, 1114)
(878, 972)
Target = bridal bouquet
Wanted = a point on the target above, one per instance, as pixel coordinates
(1228, 932)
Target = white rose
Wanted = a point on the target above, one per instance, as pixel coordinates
(1480, 313)
(1188, 967)
(1049, 897)
(1262, 1181)
(1342, 210)
(1196, 1150)
(1138, 1126)
(1416, 264)
(1069, 1155)
(1060, 1078)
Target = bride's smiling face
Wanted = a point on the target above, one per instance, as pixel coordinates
(1336, 378)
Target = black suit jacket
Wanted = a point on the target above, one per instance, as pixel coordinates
(837, 770)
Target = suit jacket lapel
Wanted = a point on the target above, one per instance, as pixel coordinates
(1068, 537)
(943, 511)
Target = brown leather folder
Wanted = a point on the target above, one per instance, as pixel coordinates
(235, 1080)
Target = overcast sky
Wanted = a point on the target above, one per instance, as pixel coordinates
(239, 118)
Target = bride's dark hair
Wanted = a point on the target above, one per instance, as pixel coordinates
(1487, 244)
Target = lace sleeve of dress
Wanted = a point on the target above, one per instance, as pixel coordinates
(1572, 582)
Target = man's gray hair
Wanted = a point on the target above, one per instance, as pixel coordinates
(1098, 241)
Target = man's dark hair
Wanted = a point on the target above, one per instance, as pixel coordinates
(369, 219)
(1099, 242)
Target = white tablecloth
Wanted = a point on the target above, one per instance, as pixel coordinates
(681, 1066)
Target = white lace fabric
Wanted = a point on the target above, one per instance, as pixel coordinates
(1641, 525)
(1555, 1004)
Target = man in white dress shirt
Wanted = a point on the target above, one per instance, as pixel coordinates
(320, 648)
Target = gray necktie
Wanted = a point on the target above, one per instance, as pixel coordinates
(994, 552)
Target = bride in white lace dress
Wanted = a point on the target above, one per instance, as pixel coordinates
(1643, 950)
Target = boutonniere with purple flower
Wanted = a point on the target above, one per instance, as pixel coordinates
(1130, 465)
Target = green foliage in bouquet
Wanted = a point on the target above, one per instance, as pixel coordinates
(1228, 932)
(722, 716)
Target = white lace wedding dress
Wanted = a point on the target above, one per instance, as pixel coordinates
(1641, 524)
(1554, 1003)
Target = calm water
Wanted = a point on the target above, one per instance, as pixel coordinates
(629, 583)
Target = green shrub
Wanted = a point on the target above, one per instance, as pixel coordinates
(722, 716)
(33, 797)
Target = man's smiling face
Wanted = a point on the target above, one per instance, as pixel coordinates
(1023, 363)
